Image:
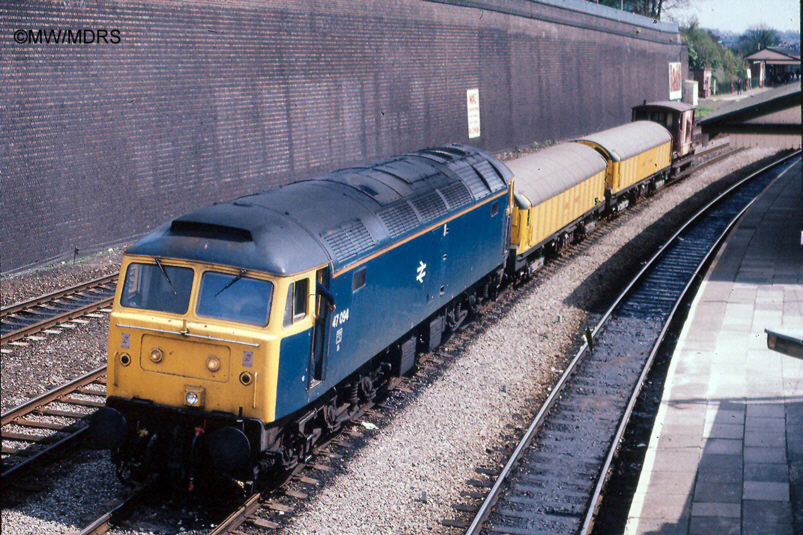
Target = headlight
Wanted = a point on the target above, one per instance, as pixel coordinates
(156, 355)
(192, 398)
(213, 364)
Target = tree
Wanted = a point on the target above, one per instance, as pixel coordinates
(705, 52)
(757, 38)
(648, 8)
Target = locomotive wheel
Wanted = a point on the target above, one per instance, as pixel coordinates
(329, 415)
(289, 455)
(367, 388)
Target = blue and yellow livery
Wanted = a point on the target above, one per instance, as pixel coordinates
(244, 331)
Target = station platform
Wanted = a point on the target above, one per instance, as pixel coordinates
(726, 451)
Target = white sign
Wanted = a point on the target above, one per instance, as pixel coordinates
(473, 107)
(675, 83)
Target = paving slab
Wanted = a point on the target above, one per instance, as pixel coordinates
(726, 452)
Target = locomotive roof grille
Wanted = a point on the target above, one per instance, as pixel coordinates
(337, 218)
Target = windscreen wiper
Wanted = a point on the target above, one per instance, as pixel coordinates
(231, 283)
(167, 277)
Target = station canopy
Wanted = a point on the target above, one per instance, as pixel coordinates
(768, 119)
(775, 56)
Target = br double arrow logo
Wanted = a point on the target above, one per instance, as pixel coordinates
(422, 272)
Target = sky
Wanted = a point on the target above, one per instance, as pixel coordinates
(739, 15)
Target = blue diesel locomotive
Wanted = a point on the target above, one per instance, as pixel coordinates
(245, 331)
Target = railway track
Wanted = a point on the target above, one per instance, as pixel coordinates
(553, 480)
(31, 317)
(257, 508)
(50, 422)
(254, 511)
(707, 158)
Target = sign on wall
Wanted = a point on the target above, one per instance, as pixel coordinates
(473, 108)
(675, 83)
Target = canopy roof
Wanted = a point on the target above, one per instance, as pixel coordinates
(755, 105)
(666, 104)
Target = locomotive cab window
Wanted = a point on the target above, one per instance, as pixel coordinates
(295, 309)
(494, 208)
(157, 287)
(359, 279)
(235, 298)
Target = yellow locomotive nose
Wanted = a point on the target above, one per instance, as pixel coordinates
(156, 355)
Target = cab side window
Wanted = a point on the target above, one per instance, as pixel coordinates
(358, 280)
(295, 309)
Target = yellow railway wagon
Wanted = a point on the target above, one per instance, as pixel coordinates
(636, 152)
(556, 190)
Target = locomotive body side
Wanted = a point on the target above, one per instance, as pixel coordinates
(381, 299)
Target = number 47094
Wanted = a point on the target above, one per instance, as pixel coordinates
(340, 318)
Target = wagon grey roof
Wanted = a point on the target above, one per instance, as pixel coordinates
(551, 171)
(628, 140)
(671, 104)
(339, 218)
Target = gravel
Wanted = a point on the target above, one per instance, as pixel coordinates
(72, 494)
(31, 370)
(430, 447)
(49, 278)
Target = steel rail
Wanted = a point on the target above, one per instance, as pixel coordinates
(712, 161)
(485, 509)
(254, 502)
(72, 431)
(23, 305)
(104, 522)
(596, 497)
(238, 517)
(52, 319)
(52, 395)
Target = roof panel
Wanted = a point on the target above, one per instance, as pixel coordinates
(409, 170)
(766, 102)
(551, 171)
(337, 218)
(379, 186)
(628, 140)
(670, 104)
